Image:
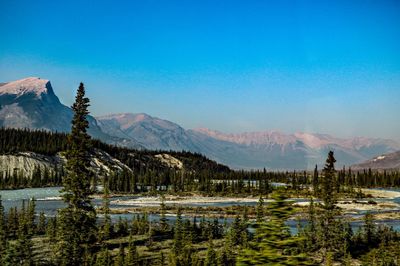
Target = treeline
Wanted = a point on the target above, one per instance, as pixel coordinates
(50, 143)
(330, 236)
(199, 173)
(182, 181)
(40, 177)
(326, 238)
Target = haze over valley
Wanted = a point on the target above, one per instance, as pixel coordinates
(32, 103)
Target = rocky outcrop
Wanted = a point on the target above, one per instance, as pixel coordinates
(170, 161)
(25, 163)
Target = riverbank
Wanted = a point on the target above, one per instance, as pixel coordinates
(380, 193)
(183, 200)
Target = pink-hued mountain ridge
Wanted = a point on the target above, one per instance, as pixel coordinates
(32, 103)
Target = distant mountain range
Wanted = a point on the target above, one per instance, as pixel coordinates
(31, 103)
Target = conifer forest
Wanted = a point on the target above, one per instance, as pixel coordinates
(293, 218)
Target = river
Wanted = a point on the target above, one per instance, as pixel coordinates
(48, 200)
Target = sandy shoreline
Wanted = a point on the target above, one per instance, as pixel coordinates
(364, 206)
(378, 193)
(170, 200)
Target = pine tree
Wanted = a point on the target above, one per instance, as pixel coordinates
(369, 229)
(132, 257)
(11, 256)
(24, 245)
(162, 259)
(178, 234)
(211, 256)
(328, 183)
(77, 222)
(106, 229)
(41, 226)
(223, 259)
(30, 216)
(315, 181)
(3, 232)
(163, 219)
(260, 210)
(310, 229)
(327, 220)
(120, 259)
(103, 258)
(275, 245)
(51, 229)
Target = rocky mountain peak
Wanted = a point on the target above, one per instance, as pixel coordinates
(32, 85)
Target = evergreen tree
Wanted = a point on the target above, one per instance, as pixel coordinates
(106, 229)
(120, 259)
(11, 256)
(327, 220)
(41, 226)
(369, 230)
(310, 230)
(132, 257)
(51, 229)
(275, 245)
(328, 183)
(103, 258)
(24, 245)
(211, 256)
(77, 222)
(163, 219)
(315, 181)
(178, 234)
(3, 232)
(162, 259)
(260, 209)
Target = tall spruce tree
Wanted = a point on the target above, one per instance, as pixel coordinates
(163, 218)
(328, 183)
(77, 222)
(3, 232)
(328, 223)
(107, 229)
(315, 181)
(132, 256)
(211, 255)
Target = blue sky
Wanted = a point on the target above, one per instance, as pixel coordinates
(317, 66)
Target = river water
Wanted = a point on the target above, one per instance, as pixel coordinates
(48, 200)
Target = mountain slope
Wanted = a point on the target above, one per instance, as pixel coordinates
(270, 149)
(22, 150)
(32, 103)
(389, 161)
(154, 133)
(277, 150)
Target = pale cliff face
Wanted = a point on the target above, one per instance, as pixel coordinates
(26, 162)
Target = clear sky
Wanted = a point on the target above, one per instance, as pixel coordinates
(316, 66)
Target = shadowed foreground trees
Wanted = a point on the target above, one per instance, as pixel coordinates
(273, 244)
